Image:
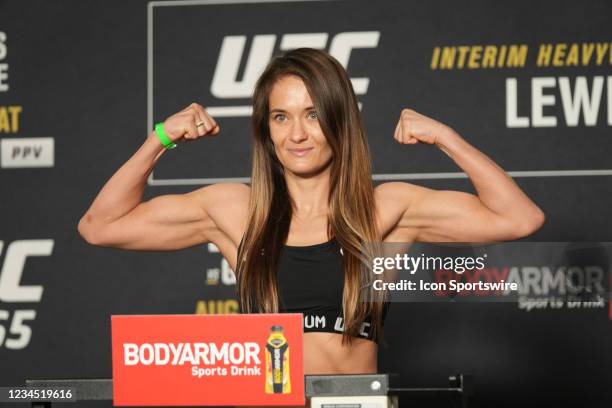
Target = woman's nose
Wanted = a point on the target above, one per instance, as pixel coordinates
(298, 132)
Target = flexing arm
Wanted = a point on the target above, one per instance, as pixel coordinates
(500, 211)
(118, 218)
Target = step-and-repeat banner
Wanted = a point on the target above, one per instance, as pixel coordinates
(82, 83)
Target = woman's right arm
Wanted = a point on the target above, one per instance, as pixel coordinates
(118, 217)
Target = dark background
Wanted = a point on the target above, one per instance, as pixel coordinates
(79, 69)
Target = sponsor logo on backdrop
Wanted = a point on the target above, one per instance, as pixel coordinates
(15, 323)
(19, 152)
(226, 85)
(580, 98)
(538, 287)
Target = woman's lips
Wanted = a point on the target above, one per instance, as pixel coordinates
(300, 151)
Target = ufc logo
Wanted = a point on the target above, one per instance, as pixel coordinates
(225, 83)
(12, 270)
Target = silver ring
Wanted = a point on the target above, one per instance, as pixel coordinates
(199, 124)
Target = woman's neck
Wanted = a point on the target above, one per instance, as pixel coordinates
(310, 194)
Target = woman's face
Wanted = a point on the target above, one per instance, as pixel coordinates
(300, 144)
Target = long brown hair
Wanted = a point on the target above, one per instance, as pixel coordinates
(351, 219)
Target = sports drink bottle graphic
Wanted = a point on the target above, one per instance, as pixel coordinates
(277, 362)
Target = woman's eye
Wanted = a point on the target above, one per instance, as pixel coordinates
(280, 117)
(313, 115)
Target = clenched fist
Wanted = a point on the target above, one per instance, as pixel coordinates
(190, 123)
(413, 127)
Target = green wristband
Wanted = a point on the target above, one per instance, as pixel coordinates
(163, 137)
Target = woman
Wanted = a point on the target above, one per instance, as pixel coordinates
(311, 200)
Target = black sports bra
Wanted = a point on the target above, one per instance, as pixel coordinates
(310, 280)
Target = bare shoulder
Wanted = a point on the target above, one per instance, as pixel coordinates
(226, 205)
(236, 191)
(392, 200)
(392, 194)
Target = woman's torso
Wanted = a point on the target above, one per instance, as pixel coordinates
(324, 352)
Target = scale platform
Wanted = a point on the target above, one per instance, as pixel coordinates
(325, 391)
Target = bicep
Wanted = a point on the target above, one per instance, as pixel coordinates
(166, 222)
(454, 216)
(213, 213)
(443, 215)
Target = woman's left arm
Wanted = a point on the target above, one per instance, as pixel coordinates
(501, 211)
